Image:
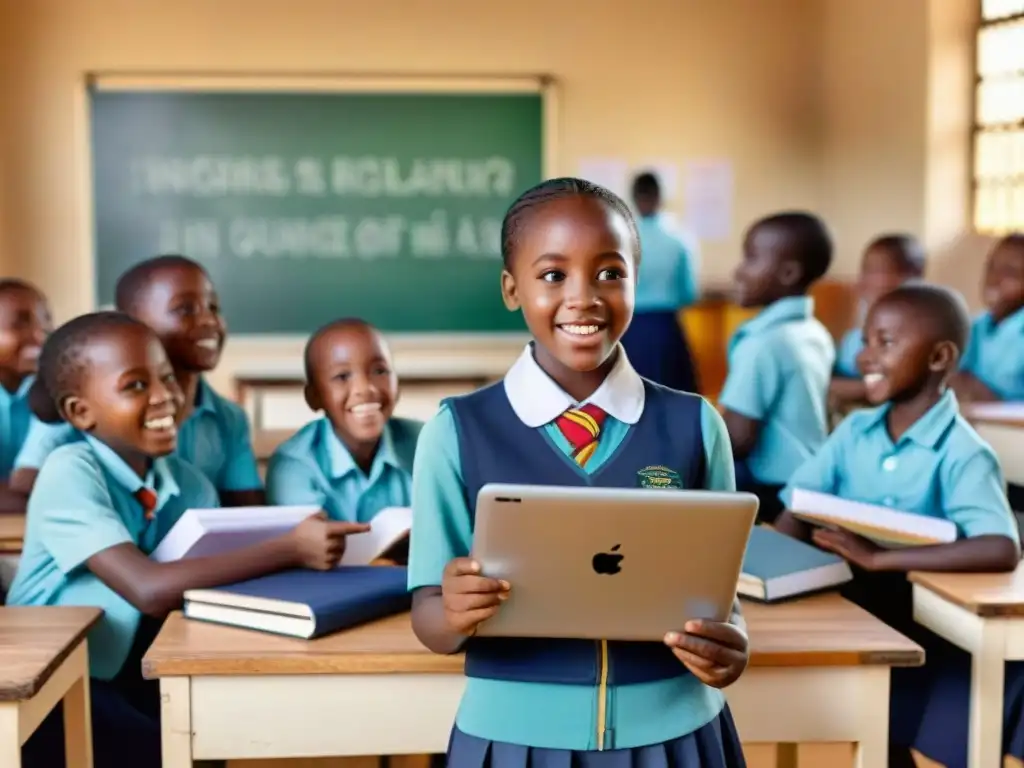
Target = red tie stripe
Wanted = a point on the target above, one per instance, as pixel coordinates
(582, 428)
(147, 498)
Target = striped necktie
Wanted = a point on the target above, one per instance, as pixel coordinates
(582, 428)
(147, 498)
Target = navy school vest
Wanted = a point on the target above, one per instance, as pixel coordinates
(496, 447)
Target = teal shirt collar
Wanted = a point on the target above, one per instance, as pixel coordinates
(204, 399)
(929, 429)
(779, 312)
(341, 461)
(21, 392)
(159, 477)
(1014, 322)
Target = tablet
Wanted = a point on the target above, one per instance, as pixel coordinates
(610, 563)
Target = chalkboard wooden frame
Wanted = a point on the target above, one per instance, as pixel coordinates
(543, 85)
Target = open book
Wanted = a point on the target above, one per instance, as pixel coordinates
(205, 532)
(886, 527)
(387, 538)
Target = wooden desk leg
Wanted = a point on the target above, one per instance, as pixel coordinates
(176, 721)
(987, 678)
(10, 736)
(872, 751)
(78, 723)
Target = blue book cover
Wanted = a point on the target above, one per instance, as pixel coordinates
(776, 566)
(305, 603)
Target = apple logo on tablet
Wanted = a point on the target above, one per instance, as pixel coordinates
(608, 563)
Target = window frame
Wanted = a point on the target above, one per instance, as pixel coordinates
(977, 129)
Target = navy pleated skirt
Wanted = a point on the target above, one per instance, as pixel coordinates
(715, 745)
(658, 350)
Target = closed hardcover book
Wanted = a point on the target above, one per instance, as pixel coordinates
(304, 603)
(777, 567)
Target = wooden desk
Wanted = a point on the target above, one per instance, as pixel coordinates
(266, 441)
(12, 534)
(43, 661)
(1005, 433)
(229, 693)
(983, 614)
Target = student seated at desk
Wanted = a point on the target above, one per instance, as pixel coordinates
(780, 362)
(570, 411)
(993, 365)
(103, 503)
(915, 453)
(889, 261)
(24, 325)
(355, 460)
(174, 296)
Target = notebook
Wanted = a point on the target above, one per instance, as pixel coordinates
(388, 537)
(777, 567)
(205, 532)
(886, 527)
(303, 603)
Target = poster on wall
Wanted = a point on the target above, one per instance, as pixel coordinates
(708, 194)
(611, 173)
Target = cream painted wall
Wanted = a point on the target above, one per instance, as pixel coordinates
(827, 104)
(649, 78)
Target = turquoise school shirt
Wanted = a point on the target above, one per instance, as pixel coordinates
(539, 714)
(215, 438)
(846, 354)
(995, 354)
(666, 280)
(315, 467)
(940, 467)
(780, 366)
(83, 503)
(16, 423)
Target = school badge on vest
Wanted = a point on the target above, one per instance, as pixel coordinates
(658, 477)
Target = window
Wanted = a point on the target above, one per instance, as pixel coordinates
(999, 119)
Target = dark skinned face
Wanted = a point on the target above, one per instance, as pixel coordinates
(181, 305)
(353, 381)
(24, 325)
(901, 357)
(1004, 280)
(127, 395)
(768, 271)
(880, 273)
(572, 274)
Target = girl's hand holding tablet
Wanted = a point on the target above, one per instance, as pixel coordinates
(468, 597)
(716, 652)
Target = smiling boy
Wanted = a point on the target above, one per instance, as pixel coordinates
(357, 459)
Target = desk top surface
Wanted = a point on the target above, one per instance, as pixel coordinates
(34, 642)
(1003, 414)
(984, 594)
(818, 631)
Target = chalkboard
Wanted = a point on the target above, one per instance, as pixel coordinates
(305, 207)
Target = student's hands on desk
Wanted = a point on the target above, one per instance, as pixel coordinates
(320, 543)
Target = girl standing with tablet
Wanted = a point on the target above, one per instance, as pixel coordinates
(570, 251)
